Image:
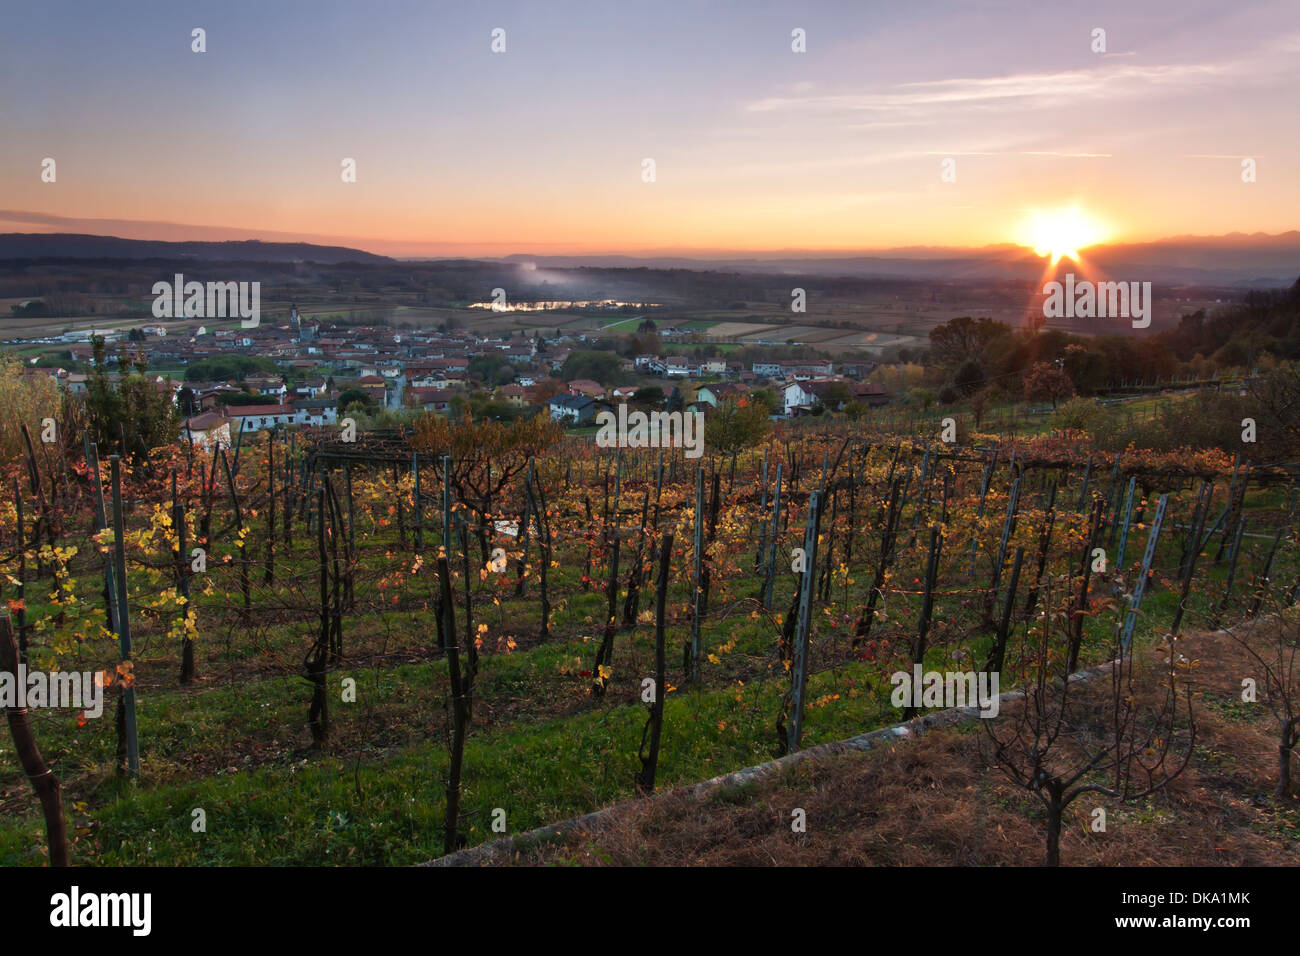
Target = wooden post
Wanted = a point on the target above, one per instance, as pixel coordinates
(645, 780)
(927, 607)
(1085, 575)
(762, 523)
(694, 649)
(21, 548)
(317, 660)
(127, 700)
(419, 510)
(183, 581)
(446, 502)
(1262, 576)
(998, 652)
(1232, 570)
(807, 584)
(459, 708)
(770, 581)
(1194, 552)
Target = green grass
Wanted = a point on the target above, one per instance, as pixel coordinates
(541, 748)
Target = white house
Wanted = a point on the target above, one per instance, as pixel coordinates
(261, 417)
(797, 398)
(574, 409)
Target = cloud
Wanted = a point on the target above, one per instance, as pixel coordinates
(1034, 88)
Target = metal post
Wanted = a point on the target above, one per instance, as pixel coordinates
(1128, 516)
(1136, 604)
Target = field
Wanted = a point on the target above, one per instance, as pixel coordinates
(366, 657)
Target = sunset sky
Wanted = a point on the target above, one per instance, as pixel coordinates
(461, 151)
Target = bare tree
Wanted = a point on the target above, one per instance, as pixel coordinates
(1060, 745)
(1273, 643)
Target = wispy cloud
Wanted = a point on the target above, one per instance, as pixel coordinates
(1070, 85)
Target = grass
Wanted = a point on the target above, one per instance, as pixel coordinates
(938, 800)
(236, 744)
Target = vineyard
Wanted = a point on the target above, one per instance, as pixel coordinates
(380, 650)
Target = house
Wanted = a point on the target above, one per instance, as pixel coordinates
(267, 384)
(767, 369)
(317, 411)
(857, 369)
(520, 354)
(572, 409)
(515, 394)
(715, 395)
(680, 368)
(871, 394)
(260, 417)
(208, 397)
(802, 371)
(799, 398)
(585, 386)
(209, 430)
(375, 387)
(708, 395)
(430, 399)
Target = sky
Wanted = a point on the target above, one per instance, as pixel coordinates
(540, 149)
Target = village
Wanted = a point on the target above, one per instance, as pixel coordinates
(309, 373)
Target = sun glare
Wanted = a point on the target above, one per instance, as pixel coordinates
(1061, 233)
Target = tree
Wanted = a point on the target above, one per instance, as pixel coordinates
(837, 394)
(1273, 643)
(979, 403)
(354, 396)
(652, 396)
(737, 424)
(24, 400)
(603, 367)
(965, 338)
(922, 396)
(1059, 746)
(224, 368)
(768, 399)
(1046, 380)
(133, 415)
(969, 377)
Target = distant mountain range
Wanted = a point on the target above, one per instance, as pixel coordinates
(57, 245)
(1234, 260)
(1258, 260)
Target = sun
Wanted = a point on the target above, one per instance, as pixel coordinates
(1061, 233)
